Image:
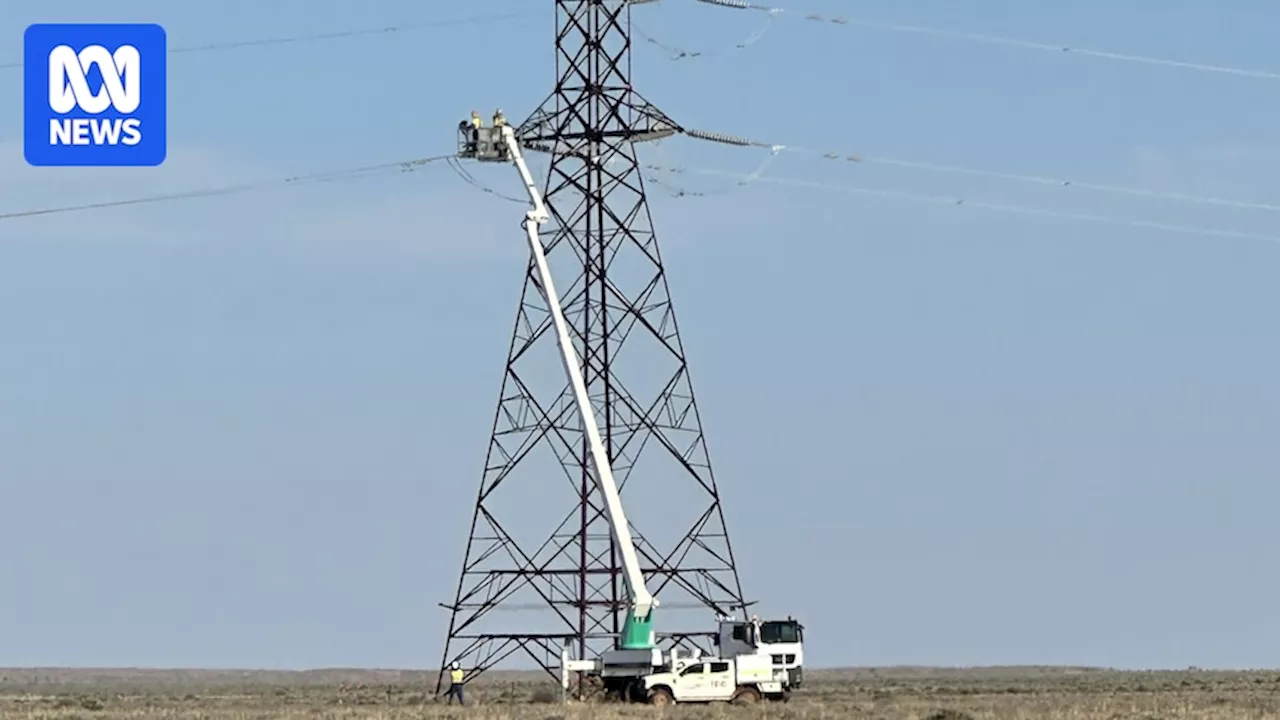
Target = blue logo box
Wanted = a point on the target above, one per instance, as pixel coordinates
(95, 95)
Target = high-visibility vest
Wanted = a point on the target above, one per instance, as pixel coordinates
(499, 121)
(476, 122)
(455, 677)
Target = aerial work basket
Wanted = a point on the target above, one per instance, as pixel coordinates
(483, 143)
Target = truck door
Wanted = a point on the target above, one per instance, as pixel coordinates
(692, 685)
(721, 684)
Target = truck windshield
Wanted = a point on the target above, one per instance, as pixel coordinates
(787, 631)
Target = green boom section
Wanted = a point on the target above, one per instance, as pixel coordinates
(637, 632)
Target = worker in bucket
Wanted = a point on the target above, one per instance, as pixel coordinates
(499, 119)
(470, 128)
(455, 684)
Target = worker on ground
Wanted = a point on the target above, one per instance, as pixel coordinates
(455, 684)
(499, 119)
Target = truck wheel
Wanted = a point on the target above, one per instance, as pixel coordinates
(661, 697)
(746, 696)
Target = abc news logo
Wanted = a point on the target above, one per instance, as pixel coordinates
(69, 90)
(95, 94)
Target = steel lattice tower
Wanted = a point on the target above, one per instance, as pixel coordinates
(557, 569)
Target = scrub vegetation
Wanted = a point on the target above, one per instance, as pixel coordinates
(875, 694)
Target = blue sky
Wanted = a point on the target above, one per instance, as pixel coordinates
(248, 430)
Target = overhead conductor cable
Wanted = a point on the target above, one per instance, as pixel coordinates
(1006, 41)
(965, 203)
(994, 174)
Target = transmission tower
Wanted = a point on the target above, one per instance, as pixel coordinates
(541, 572)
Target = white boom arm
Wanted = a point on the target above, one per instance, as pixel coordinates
(642, 601)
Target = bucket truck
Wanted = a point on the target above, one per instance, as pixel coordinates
(637, 669)
(637, 652)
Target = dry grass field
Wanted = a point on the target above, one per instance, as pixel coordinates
(875, 694)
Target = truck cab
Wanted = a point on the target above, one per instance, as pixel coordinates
(781, 641)
(745, 679)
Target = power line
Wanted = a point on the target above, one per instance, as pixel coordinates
(679, 53)
(742, 178)
(333, 35)
(470, 179)
(845, 156)
(746, 178)
(328, 176)
(992, 40)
